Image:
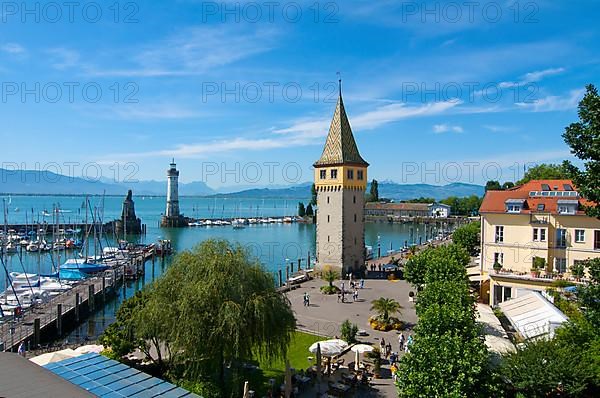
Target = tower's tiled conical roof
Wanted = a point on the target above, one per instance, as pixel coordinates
(340, 147)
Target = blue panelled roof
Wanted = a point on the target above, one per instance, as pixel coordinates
(104, 377)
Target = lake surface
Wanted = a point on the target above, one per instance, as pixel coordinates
(275, 245)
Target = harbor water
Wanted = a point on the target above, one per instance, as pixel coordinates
(274, 244)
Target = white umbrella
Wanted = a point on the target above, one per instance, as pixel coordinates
(329, 348)
(246, 390)
(318, 368)
(359, 349)
(288, 380)
(362, 348)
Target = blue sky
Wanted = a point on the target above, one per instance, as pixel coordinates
(436, 92)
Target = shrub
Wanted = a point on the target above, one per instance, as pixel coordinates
(348, 331)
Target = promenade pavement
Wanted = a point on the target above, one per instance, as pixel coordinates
(325, 315)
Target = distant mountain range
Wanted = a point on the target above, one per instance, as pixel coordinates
(32, 182)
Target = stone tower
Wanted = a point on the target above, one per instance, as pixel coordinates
(172, 217)
(340, 181)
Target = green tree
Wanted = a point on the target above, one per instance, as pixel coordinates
(589, 296)
(467, 236)
(215, 305)
(301, 210)
(584, 139)
(119, 337)
(508, 185)
(348, 331)
(448, 365)
(493, 185)
(330, 275)
(373, 192)
(309, 210)
(545, 172)
(313, 195)
(446, 262)
(385, 307)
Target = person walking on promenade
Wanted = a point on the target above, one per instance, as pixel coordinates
(362, 283)
(307, 300)
(382, 345)
(401, 341)
(408, 344)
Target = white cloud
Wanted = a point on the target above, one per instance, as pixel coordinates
(532, 77)
(499, 129)
(195, 51)
(63, 58)
(13, 48)
(445, 128)
(554, 103)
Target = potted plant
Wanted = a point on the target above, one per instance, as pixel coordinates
(375, 355)
(497, 267)
(578, 270)
(537, 264)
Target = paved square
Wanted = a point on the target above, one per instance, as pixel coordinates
(325, 315)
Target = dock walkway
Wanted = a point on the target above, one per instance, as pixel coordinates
(49, 316)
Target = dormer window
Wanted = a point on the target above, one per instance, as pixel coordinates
(567, 206)
(514, 205)
(323, 174)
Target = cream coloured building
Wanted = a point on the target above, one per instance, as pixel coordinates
(542, 218)
(340, 182)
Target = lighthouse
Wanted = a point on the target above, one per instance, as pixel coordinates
(172, 216)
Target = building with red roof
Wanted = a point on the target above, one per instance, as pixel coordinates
(541, 223)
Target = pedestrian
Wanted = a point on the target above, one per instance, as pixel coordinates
(388, 350)
(21, 350)
(379, 266)
(343, 297)
(339, 296)
(382, 345)
(307, 300)
(393, 358)
(342, 287)
(408, 344)
(362, 283)
(401, 341)
(304, 299)
(356, 295)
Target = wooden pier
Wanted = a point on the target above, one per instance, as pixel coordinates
(74, 304)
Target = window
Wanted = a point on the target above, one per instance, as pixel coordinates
(579, 235)
(596, 240)
(323, 174)
(333, 174)
(328, 200)
(512, 208)
(560, 265)
(359, 174)
(541, 207)
(350, 174)
(545, 187)
(499, 258)
(327, 238)
(354, 199)
(502, 293)
(499, 234)
(561, 237)
(539, 234)
(355, 218)
(327, 217)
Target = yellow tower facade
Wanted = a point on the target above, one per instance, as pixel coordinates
(340, 181)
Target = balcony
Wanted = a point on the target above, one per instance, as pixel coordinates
(539, 219)
(539, 277)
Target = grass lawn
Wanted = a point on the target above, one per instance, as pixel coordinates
(298, 356)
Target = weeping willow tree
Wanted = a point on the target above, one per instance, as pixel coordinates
(213, 309)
